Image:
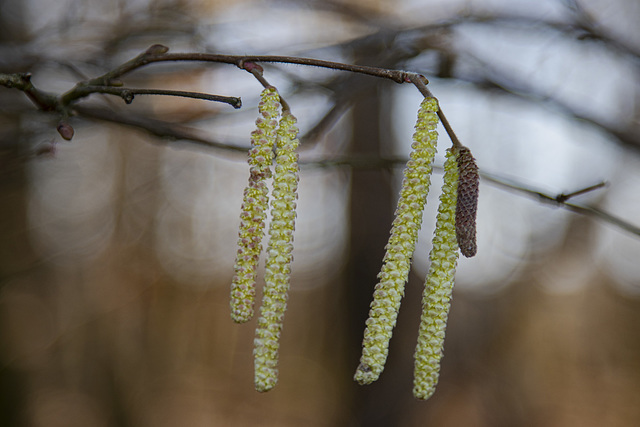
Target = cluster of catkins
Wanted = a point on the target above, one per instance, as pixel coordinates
(455, 230)
(283, 136)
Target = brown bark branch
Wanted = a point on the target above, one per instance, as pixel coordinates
(168, 132)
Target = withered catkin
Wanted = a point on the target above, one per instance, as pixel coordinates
(467, 205)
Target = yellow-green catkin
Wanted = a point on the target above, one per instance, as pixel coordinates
(399, 250)
(436, 298)
(279, 256)
(254, 207)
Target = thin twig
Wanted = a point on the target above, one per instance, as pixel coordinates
(257, 72)
(557, 201)
(561, 198)
(127, 94)
(420, 82)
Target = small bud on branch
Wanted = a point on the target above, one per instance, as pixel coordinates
(157, 49)
(65, 130)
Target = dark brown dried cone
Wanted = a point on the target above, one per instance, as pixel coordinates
(467, 205)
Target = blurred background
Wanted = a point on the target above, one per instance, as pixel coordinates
(117, 248)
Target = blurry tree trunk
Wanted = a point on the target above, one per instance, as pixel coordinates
(16, 255)
(371, 216)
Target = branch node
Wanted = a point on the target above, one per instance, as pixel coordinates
(421, 83)
(127, 96)
(562, 198)
(251, 67)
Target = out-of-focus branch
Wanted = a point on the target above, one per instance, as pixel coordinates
(559, 200)
(168, 133)
(520, 88)
(578, 27)
(22, 81)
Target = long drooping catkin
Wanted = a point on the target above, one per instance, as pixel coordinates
(404, 233)
(254, 208)
(279, 255)
(438, 286)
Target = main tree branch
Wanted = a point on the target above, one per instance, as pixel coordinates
(158, 53)
(109, 83)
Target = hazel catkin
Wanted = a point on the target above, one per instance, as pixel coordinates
(467, 206)
(388, 292)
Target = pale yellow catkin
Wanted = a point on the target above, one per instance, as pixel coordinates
(436, 298)
(279, 256)
(399, 250)
(254, 208)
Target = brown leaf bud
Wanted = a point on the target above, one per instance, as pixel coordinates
(65, 130)
(467, 205)
(157, 49)
(252, 66)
